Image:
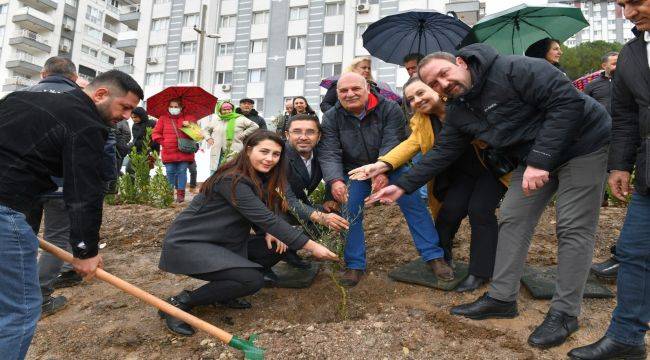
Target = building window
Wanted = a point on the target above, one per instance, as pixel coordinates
(329, 70)
(361, 28)
(368, 2)
(65, 45)
(261, 17)
(3, 8)
(161, 1)
(89, 51)
(159, 24)
(297, 42)
(185, 76)
(333, 39)
(228, 21)
(107, 59)
(256, 75)
(72, 3)
(157, 51)
(68, 23)
(94, 15)
(259, 104)
(191, 20)
(298, 13)
(295, 72)
(2, 32)
(92, 32)
(224, 77)
(258, 46)
(226, 49)
(155, 78)
(334, 9)
(188, 48)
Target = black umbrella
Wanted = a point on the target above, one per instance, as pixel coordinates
(393, 37)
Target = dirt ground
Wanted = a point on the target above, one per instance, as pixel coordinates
(387, 319)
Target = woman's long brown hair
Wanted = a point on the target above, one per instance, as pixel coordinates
(240, 167)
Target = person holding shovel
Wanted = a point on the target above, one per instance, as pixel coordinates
(211, 239)
(45, 134)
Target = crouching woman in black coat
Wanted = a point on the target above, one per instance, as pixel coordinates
(211, 239)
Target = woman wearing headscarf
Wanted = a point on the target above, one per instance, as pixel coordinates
(225, 133)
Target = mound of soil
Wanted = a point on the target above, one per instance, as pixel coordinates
(387, 319)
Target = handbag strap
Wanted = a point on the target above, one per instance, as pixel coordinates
(175, 129)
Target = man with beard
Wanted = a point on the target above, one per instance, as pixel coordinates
(45, 134)
(554, 138)
(601, 87)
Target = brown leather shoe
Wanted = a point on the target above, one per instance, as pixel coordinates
(441, 269)
(351, 277)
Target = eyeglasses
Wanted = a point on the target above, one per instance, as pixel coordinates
(301, 133)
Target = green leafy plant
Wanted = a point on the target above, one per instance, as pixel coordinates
(137, 186)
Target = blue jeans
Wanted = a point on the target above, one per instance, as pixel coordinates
(20, 297)
(415, 212)
(632, 313)
(423, 191)
(177, 174)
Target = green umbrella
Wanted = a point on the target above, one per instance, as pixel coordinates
(512, 31)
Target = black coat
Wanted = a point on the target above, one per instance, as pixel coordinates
(45, 134)
(254, 116)
(521, 106)
(301, 184)
(139, 131)
(348, 142)
(631, 114)
(212, 235)
(601, 90)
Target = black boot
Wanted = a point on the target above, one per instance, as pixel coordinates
(296, 261)
(471, 283)
(51, 305)
(607, 269)
(486, 307)
(67, 279)
(554, 330)
(173, 324)
(608, 348)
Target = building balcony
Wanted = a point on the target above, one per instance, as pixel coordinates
(24, 64)
(42, 5)
(30, 42)
(16, 83)
(127, 41)
(126, 66)
(34, 20)
(130, 16)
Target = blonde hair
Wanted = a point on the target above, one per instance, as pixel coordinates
(356, 61)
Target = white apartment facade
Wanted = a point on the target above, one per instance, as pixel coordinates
(85, 30)
(268, 50)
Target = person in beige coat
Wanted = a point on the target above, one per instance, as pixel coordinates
(225, 133)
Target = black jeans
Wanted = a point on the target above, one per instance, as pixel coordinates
(192, 170)
(234, 283)
(476, 197)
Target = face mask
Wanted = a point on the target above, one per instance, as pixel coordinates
(174, 111)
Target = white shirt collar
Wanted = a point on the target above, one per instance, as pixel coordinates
(646, 36)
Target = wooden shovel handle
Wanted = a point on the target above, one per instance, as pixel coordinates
(162, 305)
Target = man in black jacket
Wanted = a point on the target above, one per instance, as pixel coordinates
(528, 113)
(45, 134)
(356, 131)
(630, 149)
(246, 108)
(601, 87)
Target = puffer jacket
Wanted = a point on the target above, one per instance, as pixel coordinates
(164, 134)
(348, 142)
(523, 107)
(254, 116)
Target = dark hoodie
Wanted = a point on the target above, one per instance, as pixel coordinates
(254, 116)
(522, 107)
(139, 130)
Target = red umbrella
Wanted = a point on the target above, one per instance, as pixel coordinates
(196, 101)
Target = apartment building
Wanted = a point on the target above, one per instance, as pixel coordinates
(606, 22)
(85, 30)
(267, 50)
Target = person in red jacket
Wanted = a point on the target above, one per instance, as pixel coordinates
(166, 133)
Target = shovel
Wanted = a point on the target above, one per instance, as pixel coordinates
(251, 352)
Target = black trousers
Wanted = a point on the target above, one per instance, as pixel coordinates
(476, 197)
(234, 283)
(192, 170)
